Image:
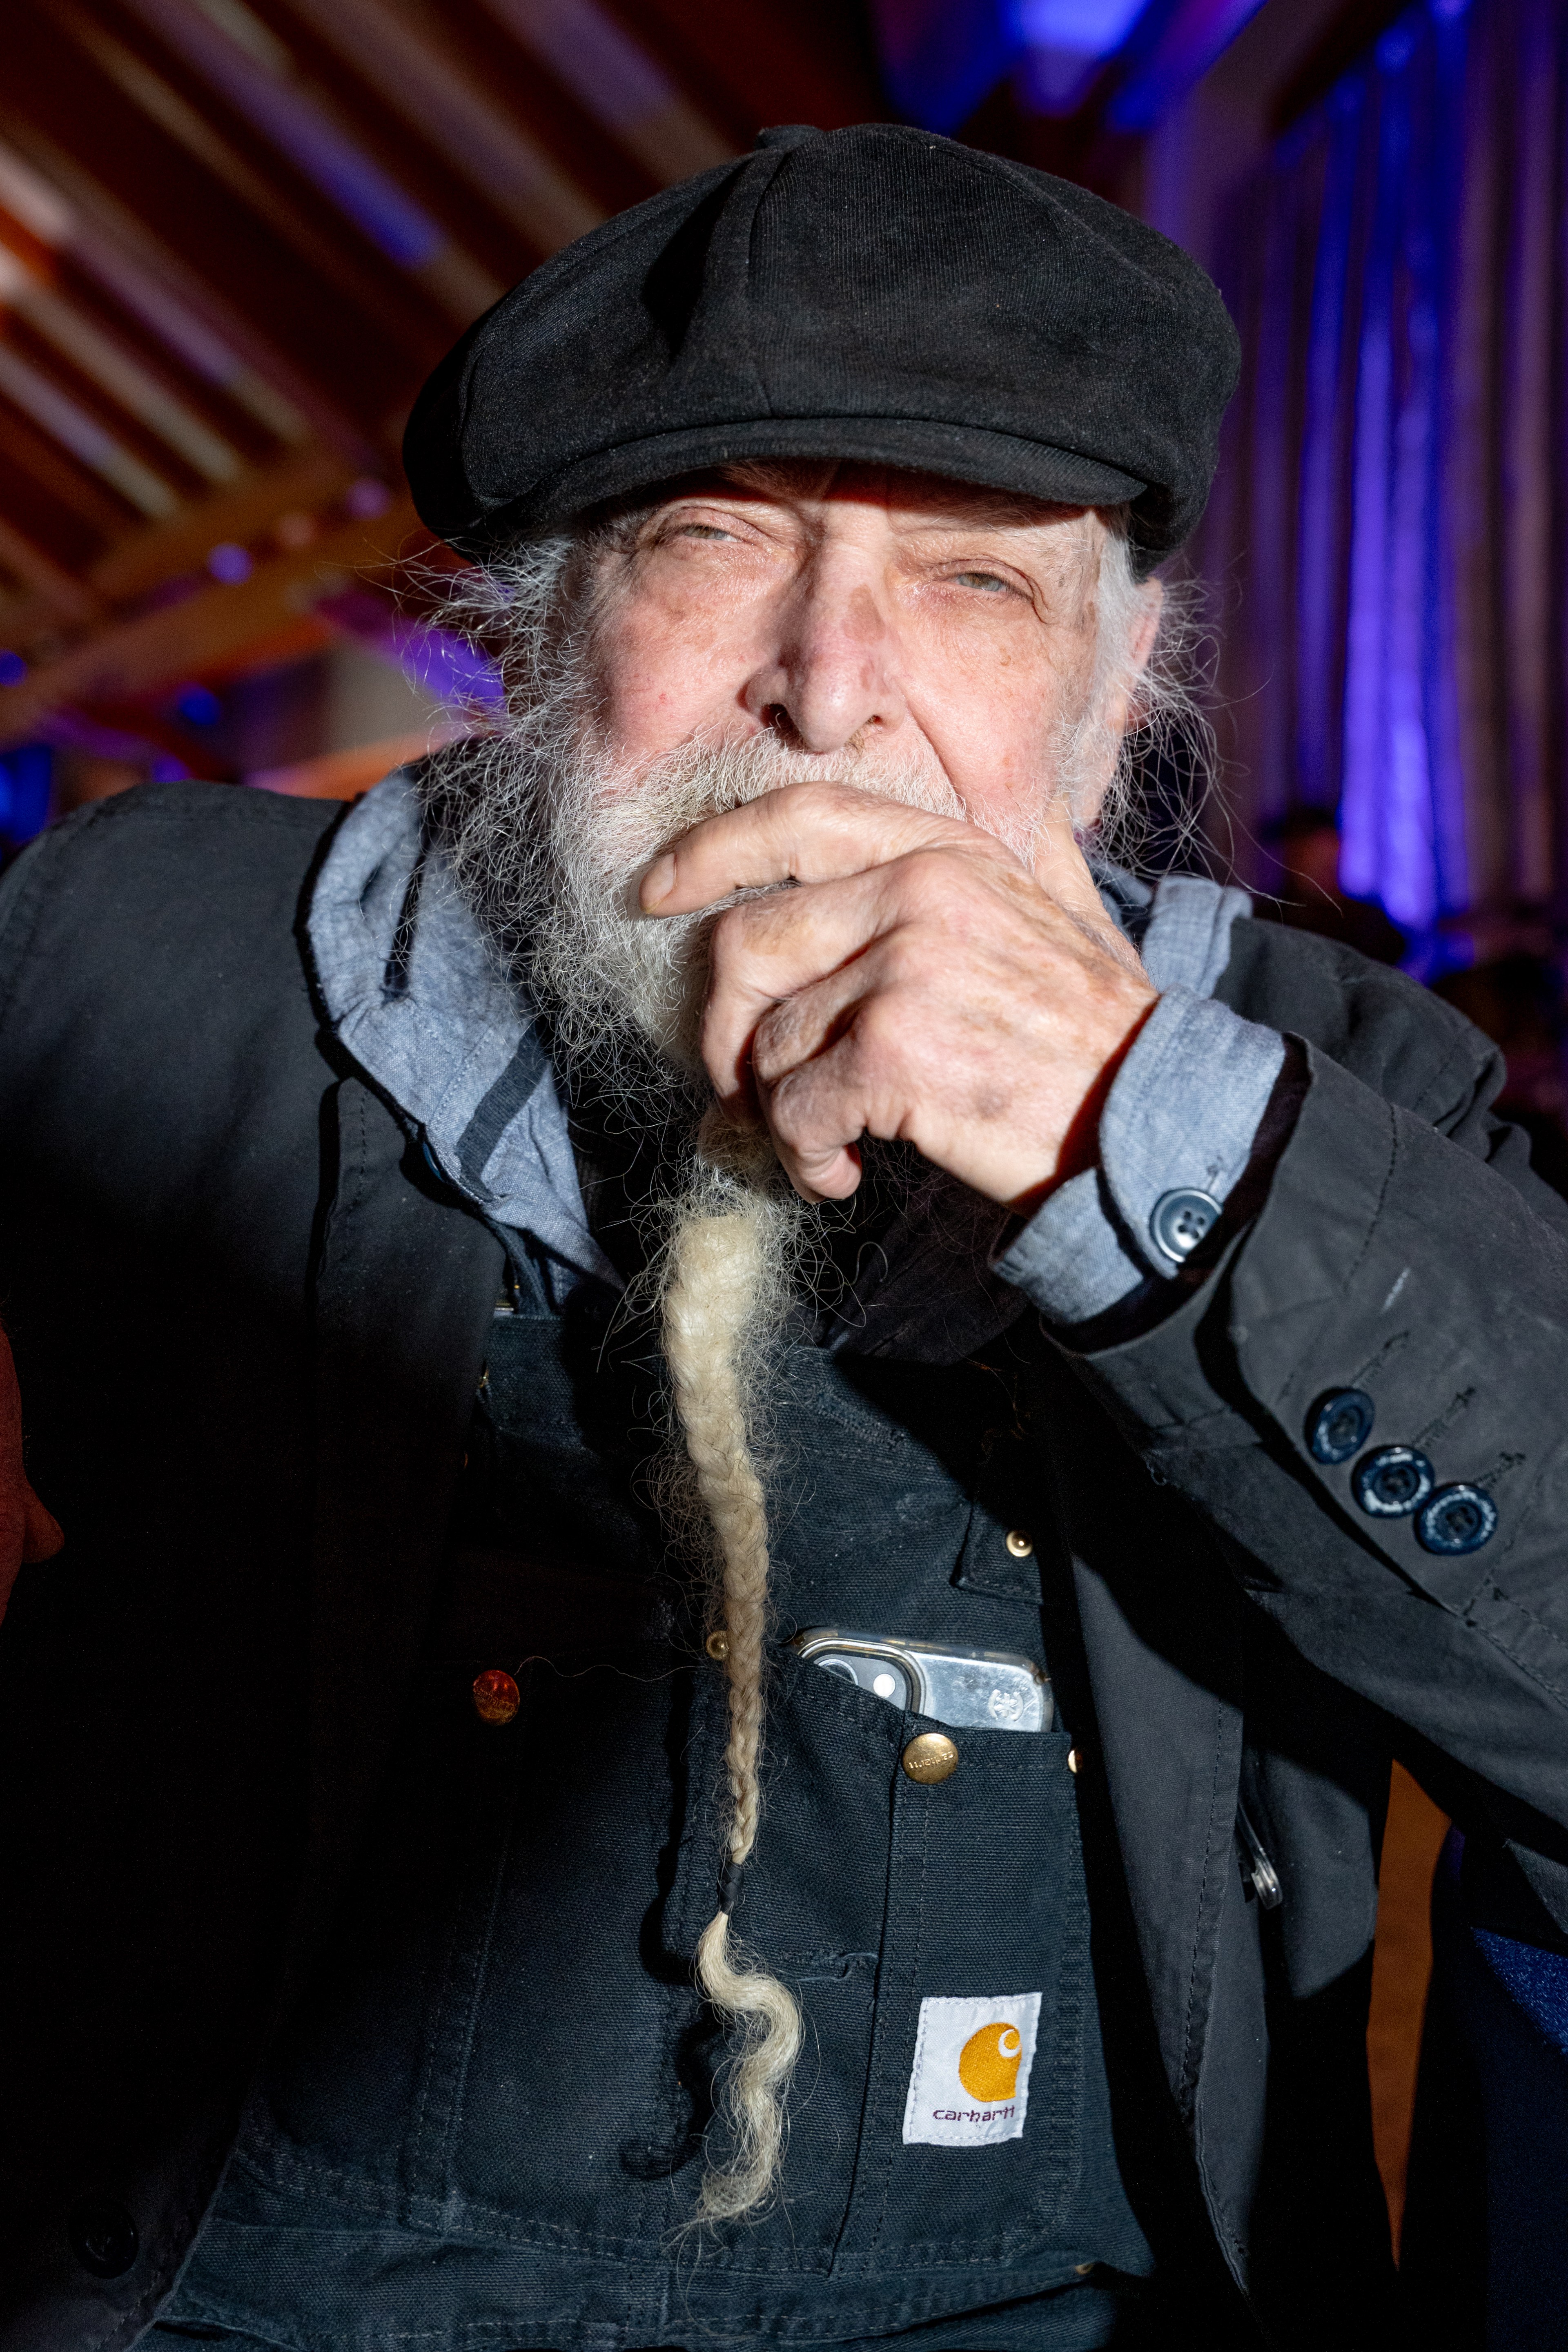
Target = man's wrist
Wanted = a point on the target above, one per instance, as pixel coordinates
(1079, 1149)
(1176, 1134)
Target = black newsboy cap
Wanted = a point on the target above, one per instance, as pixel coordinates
(877, 294)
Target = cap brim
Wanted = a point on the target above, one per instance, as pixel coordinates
(958, 453)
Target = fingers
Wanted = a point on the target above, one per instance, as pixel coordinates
(823, 833)
(769, 951)
(811, 1048)
(818, 1110)
(918, 981)
(841, 1077)
(801, 832)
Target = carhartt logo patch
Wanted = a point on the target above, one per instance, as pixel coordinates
(969, 2084)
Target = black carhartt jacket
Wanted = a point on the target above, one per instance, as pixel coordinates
(249, 1324)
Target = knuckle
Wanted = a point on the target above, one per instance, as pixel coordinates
(791, 1112)
(809, 800)
(909, 960)
(850, 802)
(728, 940)
(934, 876)
(879, 1028)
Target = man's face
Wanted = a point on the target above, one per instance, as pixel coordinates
(959, 652)
(923, 627)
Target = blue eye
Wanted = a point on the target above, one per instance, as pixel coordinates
(985, 580)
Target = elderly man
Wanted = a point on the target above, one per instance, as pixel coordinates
(757, 1463)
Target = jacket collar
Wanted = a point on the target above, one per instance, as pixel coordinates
(420, 1000)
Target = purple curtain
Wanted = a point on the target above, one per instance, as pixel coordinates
(1386, 540)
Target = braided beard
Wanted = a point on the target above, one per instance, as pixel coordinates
(549, 835)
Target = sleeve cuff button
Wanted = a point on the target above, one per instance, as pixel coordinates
(1457, 1519)
(1180, 1221)
(1340, 1425)
(1394, 1482)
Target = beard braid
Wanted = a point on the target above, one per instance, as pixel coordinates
(547, 833)
(725, 1289)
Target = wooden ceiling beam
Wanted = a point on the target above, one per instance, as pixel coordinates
(217, 625)
(59, 90)
(57, 593)
(72, 319)
(595, 54)
(59, 199)
(254, 79)
(197, 122)
(131, 407)
(150, 490)
(56, 475)
(95, 310)
(303, 483)
(412, 94)
(531, 97)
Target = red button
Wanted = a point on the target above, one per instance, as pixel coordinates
(495, 1698)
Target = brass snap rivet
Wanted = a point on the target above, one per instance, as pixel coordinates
(717, 1644)
(495, 1698)
(1072, 1760)
(930, 1757)
(1020, 1543)
(1083, 2269)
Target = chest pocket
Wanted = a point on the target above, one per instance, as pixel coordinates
(901, 1911)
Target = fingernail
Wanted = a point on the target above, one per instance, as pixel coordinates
(658, 882)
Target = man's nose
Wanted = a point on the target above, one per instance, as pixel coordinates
(833, 670)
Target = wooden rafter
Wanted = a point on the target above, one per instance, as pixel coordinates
(412, 94)
(300, 484)
(59, 595)
(191, 314)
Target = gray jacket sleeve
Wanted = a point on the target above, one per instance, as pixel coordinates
(1402, 1247)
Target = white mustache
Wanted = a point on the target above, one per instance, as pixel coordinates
(598, 956)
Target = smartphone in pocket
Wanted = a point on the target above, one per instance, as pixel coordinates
(986, 1690)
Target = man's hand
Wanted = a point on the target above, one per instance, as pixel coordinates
(27, 1532)
(918, 983)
